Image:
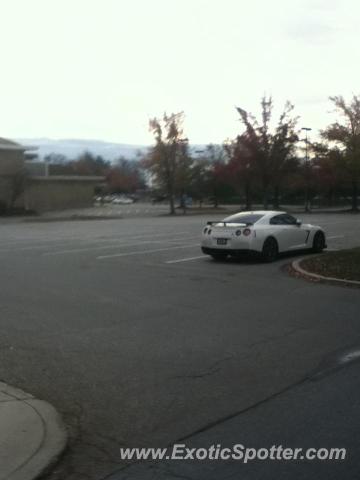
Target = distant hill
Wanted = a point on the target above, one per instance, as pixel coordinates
(72, 148)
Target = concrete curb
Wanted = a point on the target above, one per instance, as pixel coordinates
(33, 435)
(340, 281)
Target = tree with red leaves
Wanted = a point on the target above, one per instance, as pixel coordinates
(345, 135)
(169, 162)
(125, 177)
(268, 153)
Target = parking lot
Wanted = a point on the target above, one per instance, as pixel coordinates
(138, 339)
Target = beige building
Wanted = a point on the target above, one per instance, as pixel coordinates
(59, 192)
(40, 193)
(11, 167)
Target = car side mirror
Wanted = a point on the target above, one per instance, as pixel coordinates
(298, 222)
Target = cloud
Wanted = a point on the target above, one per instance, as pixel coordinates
(313, 100)
(313, 31)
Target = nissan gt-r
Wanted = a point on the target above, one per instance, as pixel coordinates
(267, 233)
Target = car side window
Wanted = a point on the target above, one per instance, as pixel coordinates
(289, 220)
(283, 219)
(277, 220)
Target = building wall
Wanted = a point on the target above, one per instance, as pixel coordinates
(11, 161)
(41, 193)
(5, 191)
(51, 193)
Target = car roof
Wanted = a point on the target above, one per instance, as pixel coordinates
(268, 213)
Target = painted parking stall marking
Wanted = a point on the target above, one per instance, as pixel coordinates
(186, 259)
(144, 252)
(332, 237)
(117, 245)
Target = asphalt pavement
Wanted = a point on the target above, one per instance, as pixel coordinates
(318, 415)
(139, 340)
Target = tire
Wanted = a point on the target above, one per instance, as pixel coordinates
(270, 250)
(219, 256)
(319, 242)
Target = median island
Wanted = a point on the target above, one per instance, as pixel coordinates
(344, 264)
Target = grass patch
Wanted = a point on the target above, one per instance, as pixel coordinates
(344, 264)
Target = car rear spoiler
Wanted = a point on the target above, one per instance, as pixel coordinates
(231, 223)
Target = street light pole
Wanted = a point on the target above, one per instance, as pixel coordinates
(307, 171)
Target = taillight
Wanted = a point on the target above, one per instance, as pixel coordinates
(246, 232)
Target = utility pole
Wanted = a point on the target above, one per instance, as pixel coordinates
(307, 171)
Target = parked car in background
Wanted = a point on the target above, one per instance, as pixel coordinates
(159, 199)
(122, 200)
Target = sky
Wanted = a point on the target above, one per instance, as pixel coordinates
(99, 69)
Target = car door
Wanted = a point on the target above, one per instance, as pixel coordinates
(296, 234)
(280, 231)
(288, 234)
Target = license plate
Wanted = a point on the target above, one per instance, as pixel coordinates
(221, 241)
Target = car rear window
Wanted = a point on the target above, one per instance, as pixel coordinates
(243, 218)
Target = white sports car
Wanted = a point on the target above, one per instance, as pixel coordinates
(264, 232)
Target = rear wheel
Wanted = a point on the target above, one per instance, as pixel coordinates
(270, 250)
(318, 242)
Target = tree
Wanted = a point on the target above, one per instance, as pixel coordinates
(199, 186)
(270, 152)
(346, 135)
(89, 164)
(208, 173)
(283, 151)
(216, 155)
(327, 172)
(240, 169)
(125, 177)
(183, 173)
(56, 158)
(168, 160)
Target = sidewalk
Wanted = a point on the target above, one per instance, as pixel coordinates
(32, 435)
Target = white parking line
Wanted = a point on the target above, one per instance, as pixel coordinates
(21, 249)
(88, 243)
(38, 239)
(116, 245)
(48, 244)
(86, 249)
(144, 252)
(343, 222)
(335, 236)
(185, 259)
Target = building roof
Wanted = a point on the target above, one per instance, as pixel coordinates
(68, 178)
(6, 144)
